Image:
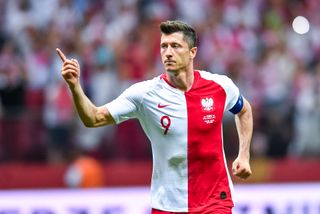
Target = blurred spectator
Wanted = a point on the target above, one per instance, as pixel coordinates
(307, 114)
(59, 117)
(13, 141)
(84, 172)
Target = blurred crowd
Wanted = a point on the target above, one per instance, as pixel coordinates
(117, 44)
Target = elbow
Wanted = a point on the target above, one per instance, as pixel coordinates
(90, 120)
(100, 117)
(88, 124)
(96, 122)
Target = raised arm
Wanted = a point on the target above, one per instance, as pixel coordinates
(90, 115)
(244, 124)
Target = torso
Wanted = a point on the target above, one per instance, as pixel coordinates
(185, 130)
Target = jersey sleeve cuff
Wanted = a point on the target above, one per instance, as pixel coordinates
(113, 115)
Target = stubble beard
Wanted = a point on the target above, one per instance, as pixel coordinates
(174, 72)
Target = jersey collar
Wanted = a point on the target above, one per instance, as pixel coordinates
(196, 77)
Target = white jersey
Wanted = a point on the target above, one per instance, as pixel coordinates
(185, 131)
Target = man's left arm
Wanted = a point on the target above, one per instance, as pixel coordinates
(244, 124)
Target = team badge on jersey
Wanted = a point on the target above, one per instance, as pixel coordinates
(207, 104)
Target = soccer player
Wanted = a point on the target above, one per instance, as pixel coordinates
(181, 112)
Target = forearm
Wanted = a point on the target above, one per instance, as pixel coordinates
(83, 105)
(90, 115)
(244, 124)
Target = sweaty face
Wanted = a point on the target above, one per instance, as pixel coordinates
(175, 52)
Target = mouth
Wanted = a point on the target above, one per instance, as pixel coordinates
(169, 62)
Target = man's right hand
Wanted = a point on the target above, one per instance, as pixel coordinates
(70, 70)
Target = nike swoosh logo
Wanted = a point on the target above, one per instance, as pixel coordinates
(162, 106)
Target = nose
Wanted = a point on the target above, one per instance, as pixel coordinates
(168, 52)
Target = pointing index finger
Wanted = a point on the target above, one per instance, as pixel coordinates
(61, 55)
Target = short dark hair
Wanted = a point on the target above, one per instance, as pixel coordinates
(189, 34)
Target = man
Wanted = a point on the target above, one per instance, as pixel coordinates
(181, 112)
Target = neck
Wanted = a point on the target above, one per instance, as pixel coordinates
(181, 80)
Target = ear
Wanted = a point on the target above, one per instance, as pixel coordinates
(193, 52)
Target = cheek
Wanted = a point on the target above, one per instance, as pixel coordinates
(184, 58)
(162, 56)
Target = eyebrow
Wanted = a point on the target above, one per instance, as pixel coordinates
(171, 43)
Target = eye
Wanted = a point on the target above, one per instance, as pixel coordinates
(175, 45)
(163, 46)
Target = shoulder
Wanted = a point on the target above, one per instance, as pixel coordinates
(218, 78)
(231, 90)
(143, 85)
(140, 88)
(211, 76)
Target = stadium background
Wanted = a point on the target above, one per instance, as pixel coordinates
(43, 145)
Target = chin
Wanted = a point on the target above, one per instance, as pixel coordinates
(171, 70)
